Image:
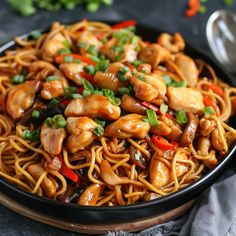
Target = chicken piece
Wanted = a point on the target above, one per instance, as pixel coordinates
(161, 129)
(37, 66)
(145, 68)
(154, 54)
(159, 173)
(81, 133)
(206, 126)
(128, 126)
(21, 97)
(52, 47)
(173, 43)
(52, 89)
(36, 170)
(132, 105)
(90, 195)
(181, 168)
(204, 145)
(148, 88)
(190, 130)
(188, 68)
(176, 131)
(72, 71)
(52, 139)
(216, 140)
(93, 106)
(88, 38)
(127, 54)
(187, 99)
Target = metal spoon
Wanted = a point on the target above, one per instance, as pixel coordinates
(221, 36)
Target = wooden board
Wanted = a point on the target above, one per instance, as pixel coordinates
(93, 228)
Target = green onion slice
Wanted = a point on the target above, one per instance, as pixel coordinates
(181, 117)
(208, 111)
(152, 117)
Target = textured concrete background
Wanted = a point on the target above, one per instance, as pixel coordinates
(162, 14)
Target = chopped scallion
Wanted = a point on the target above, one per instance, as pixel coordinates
(98, 131)
(152, 117)
(17, 79)
(64, 51)
(181, 117)
(100, 122)
(208, 111)
(52, 78)
(124, 90)
(163, 108)
(90, 69)
(35, 114)
(31, 135)
(68, 58)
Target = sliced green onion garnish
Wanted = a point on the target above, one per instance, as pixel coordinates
(109, 94)
(182, 83)
(90, 69)
(102, 65)
(92, 51)
(152, 117)
(163, 108)
(136, 63)
(141, 78)
(76, 95)
(59, 121)
(100, 122)
(124, 69)
(97, 92)
(49, 122)
(87, 85)
(167, 79)
(31, 135)
(67, 44)
(181, 117)
(35, 114)
(121, 76)
(52, 78)
(17, 79)
(53, 103)
(86, 93)
(104, 40)
(68, 58)
(124, 90)
(208, 111)
(98, 131)
(68, 91)
(76, 60)
(64, 51)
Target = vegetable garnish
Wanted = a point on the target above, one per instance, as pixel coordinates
(69, 58)
(17, 79)
(69, 91)
(53, 103)
(136, 63)
(163, 144)
(208, 101)
(194, 6)
(67, 172)
(58, 121)
(90, 69)
(216, 89)
(124, 90)
(102, 65)
(152, 117)
(64, 51)
(140, 77)
(100, 122)
(167, 79)
(228, 2)
(35, 114)
(98, 131)
(163, 108)
(31, 135)
(124, 24)
(181, 117)
(109, 94)
(208, 111)
(52, 78)
(182, 83)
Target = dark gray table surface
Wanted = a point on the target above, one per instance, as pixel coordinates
(162, 14)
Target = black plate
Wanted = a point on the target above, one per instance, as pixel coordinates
(99, 215)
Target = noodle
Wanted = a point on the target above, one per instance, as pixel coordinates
(87, 116)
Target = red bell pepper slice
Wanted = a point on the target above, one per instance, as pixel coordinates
(124, 24)
(216, 89)
(59, 59)
(194, 7)
(163, 144)
(67, 172)
(87, 76)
